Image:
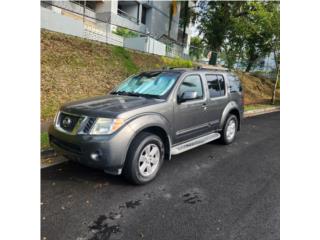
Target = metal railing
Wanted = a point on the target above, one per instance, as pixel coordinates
(126, 15)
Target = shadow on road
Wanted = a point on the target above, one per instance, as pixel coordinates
(74, 172)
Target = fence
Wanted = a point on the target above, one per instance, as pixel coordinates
(118, 28)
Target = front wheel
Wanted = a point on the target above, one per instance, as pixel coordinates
(144, 159)
(229, 131)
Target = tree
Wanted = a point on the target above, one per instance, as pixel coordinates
(239, 29)
(196, 47)
(256, 29)
(276, 46)
(215, 18)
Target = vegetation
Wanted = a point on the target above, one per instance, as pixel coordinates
(177, 62)
(73, 68)
(256, 106)
(124, 32)
(125, 57)
(243, 31)
(196, 48)
(44, 140)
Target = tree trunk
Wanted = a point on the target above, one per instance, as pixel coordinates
(249, 66)
(213, 58)
(275, 88)
(277, 78)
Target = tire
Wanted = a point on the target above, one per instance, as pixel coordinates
(141, 167)
(227, 137)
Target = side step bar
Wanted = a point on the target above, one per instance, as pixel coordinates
(194, 143)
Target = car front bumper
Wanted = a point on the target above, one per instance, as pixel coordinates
(107, 152)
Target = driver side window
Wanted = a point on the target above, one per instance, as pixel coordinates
(191, 83)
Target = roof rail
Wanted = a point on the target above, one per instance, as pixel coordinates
(211, 67)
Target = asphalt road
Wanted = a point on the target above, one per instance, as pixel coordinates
(211, 192)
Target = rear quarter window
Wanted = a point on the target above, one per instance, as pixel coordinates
(234, 83)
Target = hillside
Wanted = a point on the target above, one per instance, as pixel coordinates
(74, 68)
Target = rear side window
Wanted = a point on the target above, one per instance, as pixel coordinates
(216, 85)
(191, 83)
(235, 84)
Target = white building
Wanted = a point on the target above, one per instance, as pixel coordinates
(158, 25)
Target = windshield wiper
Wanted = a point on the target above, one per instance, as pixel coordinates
(134, 94)
(127, 93)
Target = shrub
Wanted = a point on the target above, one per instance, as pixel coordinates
(177, 62)
(123, 32)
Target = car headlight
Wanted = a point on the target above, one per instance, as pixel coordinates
(106, 126)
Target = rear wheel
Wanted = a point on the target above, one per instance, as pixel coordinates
(144, 158)
(229, 131)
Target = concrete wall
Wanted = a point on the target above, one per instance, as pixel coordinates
(55, 22)
(138, 43)
(145, 44)
(156, 47)
(124, 22)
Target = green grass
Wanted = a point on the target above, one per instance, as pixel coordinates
(258, 106)
(125, 57)
(44, 140)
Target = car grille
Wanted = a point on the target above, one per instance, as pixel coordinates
(89, 125)
(67, 122)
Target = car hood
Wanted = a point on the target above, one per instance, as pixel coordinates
(108, 106)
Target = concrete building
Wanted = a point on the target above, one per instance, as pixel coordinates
(158, 24)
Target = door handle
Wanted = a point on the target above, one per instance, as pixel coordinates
(204, 106)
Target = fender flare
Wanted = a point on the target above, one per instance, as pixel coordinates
(230, 106)
(141, 122)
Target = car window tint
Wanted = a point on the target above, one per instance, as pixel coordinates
(235, 84)
(213, 85)
(191, 83)
(222, 85)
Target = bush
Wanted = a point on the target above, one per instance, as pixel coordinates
(123, 32)
(177, 62)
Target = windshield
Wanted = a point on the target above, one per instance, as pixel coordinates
(155, 84)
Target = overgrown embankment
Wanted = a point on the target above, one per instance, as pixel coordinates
(73, 68)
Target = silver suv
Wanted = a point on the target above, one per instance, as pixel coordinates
(147, 119)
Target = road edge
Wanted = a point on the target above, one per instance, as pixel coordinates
(49, 153)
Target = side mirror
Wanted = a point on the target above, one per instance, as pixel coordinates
(187, 96)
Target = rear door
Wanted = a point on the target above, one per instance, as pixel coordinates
(218, 98)
(190, 117)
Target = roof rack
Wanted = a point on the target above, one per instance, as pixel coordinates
(211, 67)
(170, 68)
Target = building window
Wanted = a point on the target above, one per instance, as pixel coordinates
(144, 15)
(89, 4)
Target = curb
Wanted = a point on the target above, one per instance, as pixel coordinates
(51, 161)
(49, 157)
(256, 112)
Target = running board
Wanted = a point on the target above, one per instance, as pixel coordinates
(194, 143)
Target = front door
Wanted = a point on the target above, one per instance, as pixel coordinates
(190, 117)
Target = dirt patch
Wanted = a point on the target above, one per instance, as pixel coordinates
(256, 90)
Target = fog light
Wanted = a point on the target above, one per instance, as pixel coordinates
(95, 156)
